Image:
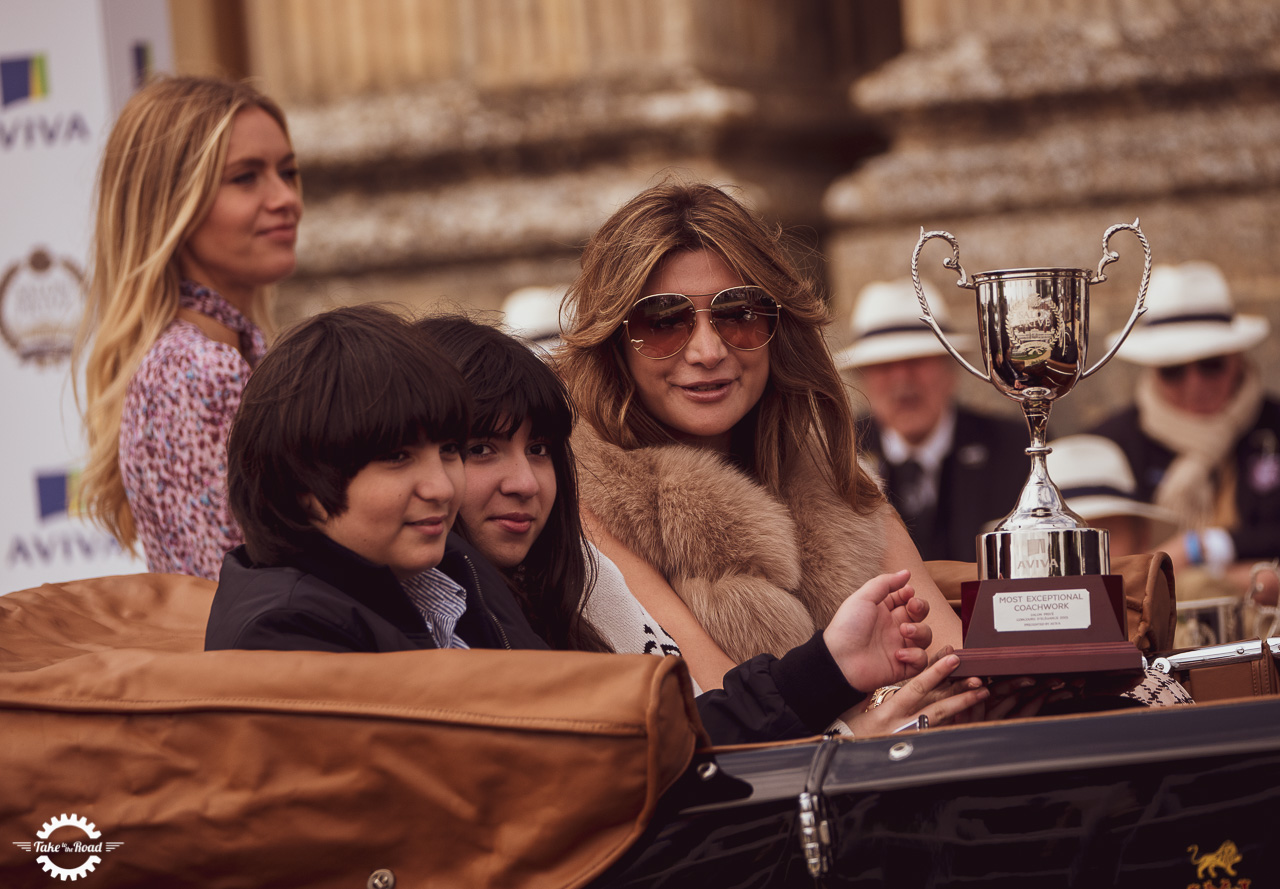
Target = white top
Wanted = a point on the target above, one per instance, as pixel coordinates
(620, 618)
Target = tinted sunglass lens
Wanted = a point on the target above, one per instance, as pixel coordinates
(1205, 367)
(745, 317)
(660, 325)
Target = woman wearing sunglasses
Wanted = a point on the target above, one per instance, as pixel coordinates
(1203, 437)
(521, 489)
(719, 466)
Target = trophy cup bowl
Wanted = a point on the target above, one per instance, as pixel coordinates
(1033, 327)
(1046, 571)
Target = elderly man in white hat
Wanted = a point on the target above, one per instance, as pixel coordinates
(1203, 437)
(948, 470)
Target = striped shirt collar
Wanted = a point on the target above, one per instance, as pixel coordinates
(441, 602)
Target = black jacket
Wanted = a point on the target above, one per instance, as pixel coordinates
(334, 600)
(1257, 462)
(980, 480)
(331, 599)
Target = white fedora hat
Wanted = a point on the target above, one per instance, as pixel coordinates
(1096, 480)
(1189, 316)
(533, 314)
(887, 327)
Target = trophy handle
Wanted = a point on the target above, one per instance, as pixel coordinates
(1108, 257)
(954, 264)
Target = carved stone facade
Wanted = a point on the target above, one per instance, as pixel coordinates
(455, 150)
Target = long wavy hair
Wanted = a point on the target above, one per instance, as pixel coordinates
(804, 403)
(509, 384)
(159, 177)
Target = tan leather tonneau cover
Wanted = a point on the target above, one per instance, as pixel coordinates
(449, 768)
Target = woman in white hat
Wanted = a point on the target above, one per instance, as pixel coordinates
(1203, 437)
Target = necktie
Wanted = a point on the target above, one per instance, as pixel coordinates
(911, 490)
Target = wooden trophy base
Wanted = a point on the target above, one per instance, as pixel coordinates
(1060, 626)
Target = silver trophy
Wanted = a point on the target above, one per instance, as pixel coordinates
(1034, 335)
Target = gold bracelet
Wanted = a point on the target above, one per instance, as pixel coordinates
(878, 696)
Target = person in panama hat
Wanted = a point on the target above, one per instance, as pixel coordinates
(1098, 485)
(947, 470)
(1202, 436)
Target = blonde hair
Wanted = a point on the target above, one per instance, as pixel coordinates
(159, 177)
(804, 403)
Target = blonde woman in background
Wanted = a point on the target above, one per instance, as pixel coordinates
(198, 206)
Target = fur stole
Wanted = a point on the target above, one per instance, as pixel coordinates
(759, 573)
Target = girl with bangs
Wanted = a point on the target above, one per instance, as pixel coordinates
(521, 506)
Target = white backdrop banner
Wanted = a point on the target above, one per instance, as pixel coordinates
(66, 67)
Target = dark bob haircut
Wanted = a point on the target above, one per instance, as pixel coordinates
(334, 394)
(510, 384)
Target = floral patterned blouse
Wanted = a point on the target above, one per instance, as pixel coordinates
(173, 437)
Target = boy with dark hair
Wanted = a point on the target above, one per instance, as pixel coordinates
(345, 473)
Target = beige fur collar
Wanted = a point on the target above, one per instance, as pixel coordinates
(758, 572)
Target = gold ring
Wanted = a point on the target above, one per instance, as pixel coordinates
(878, 696)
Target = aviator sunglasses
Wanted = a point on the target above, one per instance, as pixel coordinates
(660, 325)
(1208, 368)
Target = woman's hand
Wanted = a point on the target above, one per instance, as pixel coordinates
(932, 694)
(877, 636)
(900, 552)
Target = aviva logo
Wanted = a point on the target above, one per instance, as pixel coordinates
(23, 78)
(58, 493)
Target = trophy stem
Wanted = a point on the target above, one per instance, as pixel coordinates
(1042, 537)
(1041, 505)
(1036, 412)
